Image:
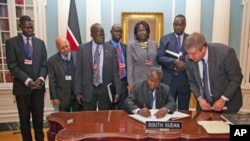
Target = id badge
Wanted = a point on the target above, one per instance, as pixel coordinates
(121, 65)
(27, 62)
(94, 66)
(147, 62)
(68, 77)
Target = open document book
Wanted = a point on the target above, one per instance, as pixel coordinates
(174, 116)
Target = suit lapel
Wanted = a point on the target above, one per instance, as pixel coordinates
(211, 63)
(139, 51)
(89, 52)
(60, 62)
(197, 74)
(20, 43)
(145, 93)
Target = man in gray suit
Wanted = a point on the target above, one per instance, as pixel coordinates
(61, 76)
(27, 61)
(218, 64)
(96, 67)
(150, 94)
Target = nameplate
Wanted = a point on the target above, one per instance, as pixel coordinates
(167, 125)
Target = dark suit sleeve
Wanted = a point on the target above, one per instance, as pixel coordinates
(169, 101)
(44, 69)
(52, 79)
(131, 102)
(193, 77)
(116, 77)
(234, 75)
(162, 58)
(12, 61)
(78, 71)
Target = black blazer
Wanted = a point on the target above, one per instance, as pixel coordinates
(15, 56)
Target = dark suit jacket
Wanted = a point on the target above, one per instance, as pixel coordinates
(169, 42)
(138, 97)
(224, 75)
(84, 70)
(15, 56)
(59, 87)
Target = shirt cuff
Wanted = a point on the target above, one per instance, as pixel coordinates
(135, 111)
(225, 98)
(41, 78)
(27, 81)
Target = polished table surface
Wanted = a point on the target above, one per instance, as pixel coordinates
(116, 125)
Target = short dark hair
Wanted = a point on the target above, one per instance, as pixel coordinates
(158, 70)
(180, 16)
(145, 24)
(93, 26)
(24, 18)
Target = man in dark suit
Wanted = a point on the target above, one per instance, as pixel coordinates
(174, 68)
(96, 67)
(116, 34)
(218, 64)
(150, 94)
(61, 76)
(27, 61)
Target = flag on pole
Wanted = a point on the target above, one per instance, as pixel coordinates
(73, 30)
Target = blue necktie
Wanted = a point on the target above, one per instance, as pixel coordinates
(28, 46)
(151, 99)
(179, 43)
(205, 82)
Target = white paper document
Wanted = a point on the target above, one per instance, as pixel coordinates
(215, 127)
(110, 92)
(175, 115)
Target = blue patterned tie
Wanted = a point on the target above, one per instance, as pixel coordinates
(179, 43)
(205, 82)
(96, 74)
(28, 46)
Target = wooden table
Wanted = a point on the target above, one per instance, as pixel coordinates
(117, 126)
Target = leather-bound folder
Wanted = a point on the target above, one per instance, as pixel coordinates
(111, 92)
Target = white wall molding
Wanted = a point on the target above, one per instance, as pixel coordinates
(193, 16)
(63, 14)
(221, 21)
(93, 15)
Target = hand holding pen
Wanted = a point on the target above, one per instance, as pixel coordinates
(144, 111)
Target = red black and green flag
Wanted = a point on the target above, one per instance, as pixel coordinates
(73, 30)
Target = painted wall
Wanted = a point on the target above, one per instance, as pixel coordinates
(166, 6)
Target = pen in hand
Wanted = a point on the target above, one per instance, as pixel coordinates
(144, 111)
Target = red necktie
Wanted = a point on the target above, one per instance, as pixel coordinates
(121, 64)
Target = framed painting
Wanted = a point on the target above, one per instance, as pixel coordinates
(129, 19)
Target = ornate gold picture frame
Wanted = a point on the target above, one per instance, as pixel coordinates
(129, 19)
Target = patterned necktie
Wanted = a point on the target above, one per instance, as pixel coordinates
(96, 74)
(151, 99)
(120, 61)
(179, 43)
(205, 82)
(28, 48)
